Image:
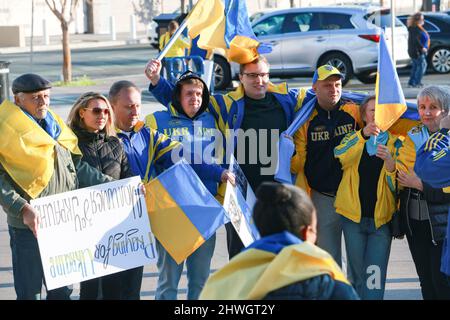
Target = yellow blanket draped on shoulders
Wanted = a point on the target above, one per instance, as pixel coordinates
(254, 273)
(27, 151)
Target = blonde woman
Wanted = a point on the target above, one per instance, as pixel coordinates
(92, 120)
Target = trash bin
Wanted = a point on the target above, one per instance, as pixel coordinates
(4, 80)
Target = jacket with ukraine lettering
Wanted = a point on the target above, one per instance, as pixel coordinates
(314, 161)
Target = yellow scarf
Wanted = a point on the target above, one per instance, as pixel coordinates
(254, 273)
(27, 151)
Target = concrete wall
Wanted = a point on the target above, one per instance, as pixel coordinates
(11, 36)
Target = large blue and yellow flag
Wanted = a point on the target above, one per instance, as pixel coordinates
(225, 26)
(183, 213)
(390, 101)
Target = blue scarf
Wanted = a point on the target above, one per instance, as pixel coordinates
(373, 142)
(275, 242)
(48, 124)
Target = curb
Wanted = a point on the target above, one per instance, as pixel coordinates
(75, 45)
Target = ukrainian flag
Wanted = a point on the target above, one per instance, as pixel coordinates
(390, 101)
(226, 27)
(183, 213)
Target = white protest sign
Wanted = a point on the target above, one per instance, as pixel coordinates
(92, 232)
(238, 203)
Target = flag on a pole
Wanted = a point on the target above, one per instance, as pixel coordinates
(183, 213)
(390, 102)
(224, 26)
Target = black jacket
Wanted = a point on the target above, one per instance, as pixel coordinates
(414, 45)
(437, 203)
(325, 132)
(104, 153)
(318, 288)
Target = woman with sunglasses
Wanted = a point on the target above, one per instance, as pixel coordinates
(92, 120)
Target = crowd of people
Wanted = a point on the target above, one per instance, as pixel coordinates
(353, 181)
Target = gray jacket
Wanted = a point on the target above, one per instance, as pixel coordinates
(70, 173)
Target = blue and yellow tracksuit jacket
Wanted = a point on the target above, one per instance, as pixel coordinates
(148, 151)
(433, 167)
(196, 135)
(348, 203)
(228, 109)
(433, 160)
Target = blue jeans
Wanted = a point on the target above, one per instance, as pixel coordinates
(419, 67)
(27, 268)
(329, 226)
(368, 252)
(198, 267)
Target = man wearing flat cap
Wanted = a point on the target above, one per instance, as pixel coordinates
(39, 156)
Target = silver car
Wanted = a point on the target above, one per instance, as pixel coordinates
(304, 38)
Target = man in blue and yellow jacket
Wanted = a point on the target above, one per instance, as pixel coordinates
(257, 109)
(149, 152)
(187, 121)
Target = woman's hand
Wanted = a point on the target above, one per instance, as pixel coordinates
(383, 153)
(371, 129)
(410, 180)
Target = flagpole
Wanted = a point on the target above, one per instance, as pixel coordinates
(176, 35)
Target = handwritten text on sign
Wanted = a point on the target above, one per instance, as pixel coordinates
(92, 232)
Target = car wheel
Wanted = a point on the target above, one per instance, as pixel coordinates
(341, 62)
(440, 60)
(367, 77)
(222, 76)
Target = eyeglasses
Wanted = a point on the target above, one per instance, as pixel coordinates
(97, 111)
(254, 76)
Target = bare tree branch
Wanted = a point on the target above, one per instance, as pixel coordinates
(61, 15)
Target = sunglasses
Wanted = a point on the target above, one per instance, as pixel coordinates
(97, 111)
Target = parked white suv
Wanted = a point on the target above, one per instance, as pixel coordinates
(305, 38)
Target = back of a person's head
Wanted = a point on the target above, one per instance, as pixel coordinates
(281, 207)
(414, 20)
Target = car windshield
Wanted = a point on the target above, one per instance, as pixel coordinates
(382, 19)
